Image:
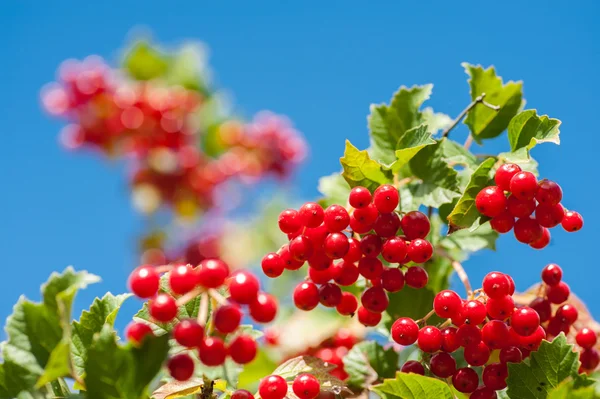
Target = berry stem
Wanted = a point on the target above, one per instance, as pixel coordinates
(163, 268)
(214, 294)
(427, 316)
(478, 100)
(445, 324)
(203, 313)
(182, 300)
(462, 274)
(468, 142)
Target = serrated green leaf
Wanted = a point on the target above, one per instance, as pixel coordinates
(361, 170)
(143, 62)
(66, 282)
(486, 123)
(368, 362)
(522, 158)
(465, 213)
(471, 241)
(548, 367)
(527, 129)
(252, 372)
(412, 386)
(435, 121)
(411, 142)
(415, 194)
(431, 165)
(335, 189)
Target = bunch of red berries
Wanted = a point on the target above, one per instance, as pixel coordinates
(222, 338)
(526, 196)
(304, 386)
(342, 246)
(487, 321)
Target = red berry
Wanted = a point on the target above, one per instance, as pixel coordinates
(520, 208)
(558, 293)
(370, 268)
(589, 359)
(374, 299)
(330, 295)
(359, 197)
(510, 354)
(311, 214)
(503, 223)
(227, 318)
(491, 201)
(181, 367)
(415, 224)
(163, 308)
(242, 349)
(549, 215)
(442, 365)
(468, 334)
(474, 312)
(420, 250)
(336, 218)
(392, 279)
(264, 308)
(136, 332)
(533, 341)
(572, 221)
(272, 265)
(336, 245)
(528, 230)
(306, 296)
(344, 337)
(525, 321)
(306, 386)
(548, 192)
(387, 225)
(586, 338)
(405, 331)
(370, 245)
(289, 221)
(416, 277)
(483, 392)
(412, 366)
(477, 354)
(354, 253)
(301, 248)
(556, 326)
(188, 333)
(447, 304)
(144, 282)
(317, 235)
(511, 284)
(523, 185)
(543, 308)
(346, 274)
(368, 318)
(504, 174)
(243, 287)
(288, 261)
(182, 279)
(494, 376)
(495, 334)
(496, 285)
(242, 394)
(449, 339)
(366, 216)
(386, 198)
(394, 250)
(272, 387)
(321, 276)
(552, 274)
(465, 380)
(348, 304)
(567, 313)
(543, 241)
(429, 339)
(213, 351)
(212, 273)
(500, 308)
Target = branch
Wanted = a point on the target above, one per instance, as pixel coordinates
(458, 268)
(478, 100)
(203, 313)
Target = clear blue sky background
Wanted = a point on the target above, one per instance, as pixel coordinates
(320, 62)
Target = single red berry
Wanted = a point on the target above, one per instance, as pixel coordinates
(336, 245)
(586, 338)
(491, 201)
(483, 392)
(415, 224)
(311, 214)
(375, 299)
(495, 335)
(494, 376)
(272, 387)
(242, 394)
(523, 185)
(368, 318)
(386, 198)
(346, 273)
(556, 326)
(330, 295)
(264, 308)
(405, 331)
(371, 245)
(520, 208)
(306, 386)
(567, 313)
(525, 321)
(306, 295)
(552, 274)
(474, 312)
(227, 318)
(317, 236)
(272, 265)
(144, 282)
(468, 334)
(354, 253)
(387, 225)
(449, 339)
(336, 218)
(301, 248)
(366, 216)
(392, 279)
(533, 341)
(510, 354)
(572, 221)
(496, 285)
(288, 261)
(348, 304)
(242, 349)
(181, 367)
(429, 339)
(543, 308)
(243, 287)
(549, 215)
(359, 227)
(543, 241)
(370, 268)
(589, 359)
(548, 192)
(442, 365)
(447, 304)
(465, 380)
(528, 230)
(416, 277)
(182, 279)
(163, 308)
(320, 261)
(212, 351)
(558, 293)
(504, 174)
(321, 276)
(503, 223)
(511, 284)
(394, 250)
(212, 273)
(188, 333)
(413, 366)
(420, 250)
(289, 221)
(477, 354)
(359, 197)
(500, 308)
(136, 332)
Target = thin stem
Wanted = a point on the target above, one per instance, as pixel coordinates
(214, 294)
(478, 100)
(468, 142)
(427, 316)
(182, 300)
(458, 268)
(203, 313)
(446, 323)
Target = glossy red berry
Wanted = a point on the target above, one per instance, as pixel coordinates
(392, 279)
(548, 192)
(346, 273)
(348, 304)
(511, 284)
(429, 339)
(336, 245)
(163, 308)
(413, 366)
(552, 274)
(321, 276)
(336, 218)
(371, 245)
(288, 261)
(306, 295)
(556, 326)
(212, 273)
(330, 295)
(386, 198)
(572, 221)
(212, 351)
(227, 318)
(366, 216)
(496, 285)
(144, 282)
(415, 224)
(474, 312)
(494, 376)
(500, 308)
(243, 287)
(289, 221)
(567, 313)
(442, 365)
(394, 250)
(359, 197)
(264, 308)
(558, 293)
(368, 318)
(317, 235)
(465, 380)
(405, 331)
(510, 354)
(523, 185)
(370, 268)
(447, 304)
(483, 392)
(543, 241)
(301, 248)
(586, 338)
(589, 358)
(188, 333)
(242, 349)
(311, 214)
(181, 367)
(528, 230)
(182, 279)
(504, 174)
(549, 215)
(449, 339)
(533, 341)
(375, 299)
(495, 334)
(491, 201)
(272, 387)
(420, 250)
(354, 253)
(503, 223)
(416, 277)
(543, 308)
(520, 208)
(387, 225)
(242, 394)
(477, 354)
(136, 332)
(306, 386)
(525, 321)
(468, 334)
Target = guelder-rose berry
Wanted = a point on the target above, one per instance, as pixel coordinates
(242, 394)
(405, 331)
(429, 339)
(415, 224)
(416, 277)
(321, 276)
(465, 380)
(477, 354)
(288, 261)
(181, 367)
(289, 221)
(354, 253)
(533, 341)
(336, 245)
(136, 332)
(586, 338)
(306, 386)
(144, 282)
(447, 304)
(359, 197)
(336, 218)
(370, 268)
(510, 354)
(387, 225)
(494, 376)
(272, 387)
(301, 248)
(483, 392)
(523, 185)
(227, 318)
(525, 321)
(572, 221)
(272, 265)
(374, 299)
(367, 318)
(552, 274)
(491, 201)
(504, 174)
(420, 250)
(311, 214)
(330, 295)
(449, 340)
(528, 230)
(212, 351)
(500, 308)
(182, 279)
(543, 308)
(567, 313)
(543, 241)
(442, 365)
(474, 312)
(590, 358)
(520, 208)
(163, 308)
(242, 349)
(371, 245)
(189, 333)
(306, 296)
(212, 273)
(346, 274)
(495, 334)
(392, 279)
(548, 192)
(264, 308)
(394, 250)
(348, 304)
(549, 215)
(496, 285)
(558, 293)
(243, 287)
(413, 366)
(366, 216)
(386, 198)
(503, 223)
(468, 335)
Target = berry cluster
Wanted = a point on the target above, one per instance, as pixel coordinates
(222, 338)
(304, 386)
(342, 246)
(525, 196)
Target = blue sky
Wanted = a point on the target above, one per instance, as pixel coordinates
(321, 63)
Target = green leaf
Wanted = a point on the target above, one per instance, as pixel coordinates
(411, 302)
(411, 142)
(465, 213)
(113, 371)
(415, 194)
(335, 189)
(413, 386)
(431, 165)
(522, 158)
(486, 123)
(436, 121)
(471, 241)
(567, 389)
(103, 311)
(527, 129)
(185, 66)
(65, 284)
(368, 362)
(547, 368)
(261, 366)
(317, 367)
(361, 170)
(143, 62)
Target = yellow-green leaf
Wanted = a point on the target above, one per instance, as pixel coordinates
(527, 129)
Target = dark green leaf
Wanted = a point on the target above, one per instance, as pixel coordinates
(413, 386)
(527, 129)
(369, 362)
(411, 302)
(411, 142)
(143, 62)
(416, 194)
(431, 165)
(361, 170)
